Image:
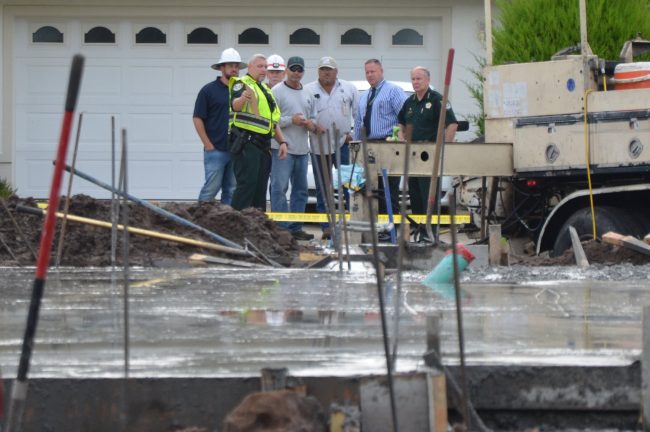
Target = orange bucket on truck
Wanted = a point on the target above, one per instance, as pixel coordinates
(632, 75)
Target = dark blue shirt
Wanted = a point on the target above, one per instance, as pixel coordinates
(213, 106)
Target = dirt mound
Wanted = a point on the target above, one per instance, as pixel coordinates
(86, 245)
(597, 253)
(276, 411)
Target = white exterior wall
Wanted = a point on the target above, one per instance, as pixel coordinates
(443, 24)
(5, 101)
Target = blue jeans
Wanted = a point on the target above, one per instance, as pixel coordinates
(219, 175)
(292, 169)
(316, 168)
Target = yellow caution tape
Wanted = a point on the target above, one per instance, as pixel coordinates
(322, 217)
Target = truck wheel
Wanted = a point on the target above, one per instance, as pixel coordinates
(607, 219)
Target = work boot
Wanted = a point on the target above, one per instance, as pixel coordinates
(301, 235)
(327, 234)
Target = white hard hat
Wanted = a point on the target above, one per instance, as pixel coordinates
(229, 55)
(275, 62)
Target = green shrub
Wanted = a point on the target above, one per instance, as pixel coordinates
(5, 189)
(533, 30)
(475, 88)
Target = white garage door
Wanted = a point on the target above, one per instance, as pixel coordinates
(149, 86)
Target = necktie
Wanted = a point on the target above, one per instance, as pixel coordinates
(366, 118)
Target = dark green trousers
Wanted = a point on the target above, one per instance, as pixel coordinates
(419, 194)
(252, 169)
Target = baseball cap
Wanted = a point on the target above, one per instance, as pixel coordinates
(327, 62)
(275, 62)
(296, 60)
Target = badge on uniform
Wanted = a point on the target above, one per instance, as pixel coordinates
(448, 105)
(237, 86)
(428, 105)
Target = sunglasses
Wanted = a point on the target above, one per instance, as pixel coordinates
(296, 68)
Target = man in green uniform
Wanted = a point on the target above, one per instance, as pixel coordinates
(422, 110)
(253, 122)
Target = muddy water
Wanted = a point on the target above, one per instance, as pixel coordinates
(224, 322)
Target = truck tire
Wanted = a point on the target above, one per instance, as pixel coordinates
(607, 219)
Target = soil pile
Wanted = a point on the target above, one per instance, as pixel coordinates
(86, 245)
(596, 252)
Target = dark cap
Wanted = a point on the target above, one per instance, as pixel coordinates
(296, 60)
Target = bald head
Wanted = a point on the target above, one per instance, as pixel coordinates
(420, 79)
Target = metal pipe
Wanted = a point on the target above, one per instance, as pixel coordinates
(325, 163)
(113, 197)
(584, 43)
(389, 203)
(488, 32)
(124, 183)
(403, 240)
(380, 290)
(459, 312)
(435, 173)
(342, 212)
(59, 249)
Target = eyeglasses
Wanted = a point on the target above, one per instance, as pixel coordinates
(296, 68)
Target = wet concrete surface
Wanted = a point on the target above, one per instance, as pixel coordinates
(212, 322)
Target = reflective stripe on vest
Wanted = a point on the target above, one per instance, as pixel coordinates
(263, 123)
(249, 119)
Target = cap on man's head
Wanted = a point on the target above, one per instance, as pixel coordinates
(296, 61)
(275, 62)
(327, 62)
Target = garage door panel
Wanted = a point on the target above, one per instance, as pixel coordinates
(150, 81)
(40, 129)
(101, 81)
(191, 79)
(152, 175)
(188, 138)
(150, 130)
(35, 176)
(190, 176)
(96, 130)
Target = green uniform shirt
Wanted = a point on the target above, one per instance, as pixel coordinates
(424, 115)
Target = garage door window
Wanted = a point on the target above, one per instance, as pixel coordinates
(304, 36)
(150, 35)
(253, 36)
(47, 34)
(99, 34)
(356, 36)
(407, 37)
(202, 35)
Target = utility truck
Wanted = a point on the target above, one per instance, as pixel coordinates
(579, 127)
(567, 144)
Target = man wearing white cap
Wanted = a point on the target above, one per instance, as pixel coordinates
(275, 69)
(334, 103)
(211, 115)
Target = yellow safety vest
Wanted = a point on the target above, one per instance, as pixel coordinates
(266, 120)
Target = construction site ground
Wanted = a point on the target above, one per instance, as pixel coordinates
(549, 345)
(85, 245)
